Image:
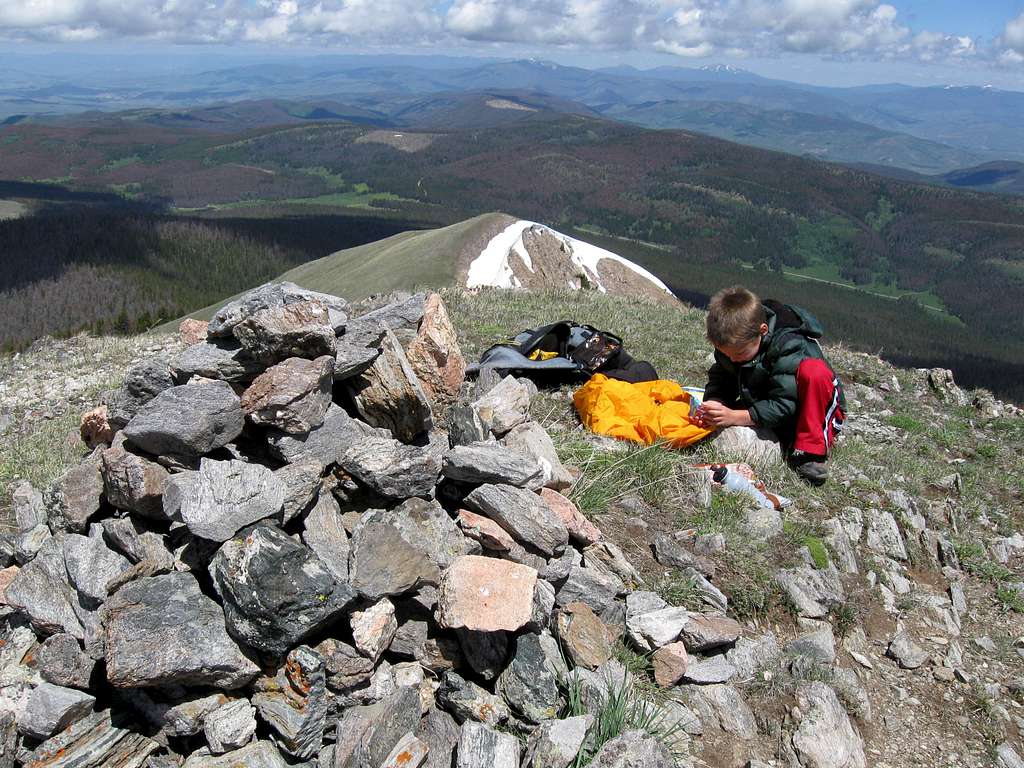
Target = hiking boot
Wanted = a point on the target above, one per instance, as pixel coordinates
(811, 469)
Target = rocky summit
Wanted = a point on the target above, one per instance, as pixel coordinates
(298, 537)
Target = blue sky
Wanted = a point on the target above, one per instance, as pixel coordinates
(840, 42)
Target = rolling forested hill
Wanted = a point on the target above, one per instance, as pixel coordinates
(939, 271)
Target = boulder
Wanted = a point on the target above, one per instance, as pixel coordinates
(439, 731)
(133, 483)
(28, 504)
(352, 359)
(391, 468)
(94, 427)
(484, 594)
(291, 396)
(813, 592)
(374, 629)
(142, 382)
(633, 749)
(532, 440)
(402, 316)
(529, 687)
(725, 704)
(226, 496)
(294, 703)
(388, 394)
(486, 653)
(324, 533)
(825, 737)
(580, 529)
(259, 754)
(45, 599)
(488, 533)
(523, 514)
(584, 636)
(435, 356)
(489, 462)
(79, 493)
(670, 664)
(750, 656)
(219, 359)
(883, 536)
(271, 295)
(192, 331)
(818, 645)
(163, 630)
(346, 667)
(905, 651)
(591, 586)
(367, 735)
(301, 486)
(505, 406)
(711, 670)
(230, 727)
(187, 421)
(556, 743)
(295, 330)
(756, 446)
(324, 443)
(480, 745)
(468, 702)
(52, 708)
(60, 661)
(275, 591)
(396, 551)
(91, 565)
(672, 553)
(704, 632)
(942, 383)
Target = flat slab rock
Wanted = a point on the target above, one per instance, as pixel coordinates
(163, 630)
(480, 745)
(226, 496)
(825, 736)
(93, 742)
(489, 462)
(523, 514)
(392, 468)
(259, 754)
(486, 594)
(271, 295)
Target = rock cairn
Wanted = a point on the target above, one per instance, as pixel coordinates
(303, 540)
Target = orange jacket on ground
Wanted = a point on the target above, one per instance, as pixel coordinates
(644, 413)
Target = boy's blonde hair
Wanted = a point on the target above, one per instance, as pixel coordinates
(734, 317)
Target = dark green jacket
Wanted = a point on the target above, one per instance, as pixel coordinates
(766, 385)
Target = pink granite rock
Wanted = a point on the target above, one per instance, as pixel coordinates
(670, 664)
(580, 529)
(485, 594)
(435, 355)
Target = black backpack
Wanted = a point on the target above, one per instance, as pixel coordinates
(590, 348)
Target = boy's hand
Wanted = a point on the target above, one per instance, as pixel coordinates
(715, 414)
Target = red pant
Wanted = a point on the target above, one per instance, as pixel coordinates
(818, 416)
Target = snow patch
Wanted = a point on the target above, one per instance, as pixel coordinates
(492, 268)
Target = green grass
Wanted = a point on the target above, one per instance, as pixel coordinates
(624, 707)
(609, 476)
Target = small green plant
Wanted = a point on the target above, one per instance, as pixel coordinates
(609, 476)
(678, 590)
(1010, 599)
(844, 618)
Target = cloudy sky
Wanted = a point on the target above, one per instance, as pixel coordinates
(829, 41)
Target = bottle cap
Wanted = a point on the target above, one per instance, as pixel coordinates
(719, 474)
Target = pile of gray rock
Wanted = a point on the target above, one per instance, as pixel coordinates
(303, 540)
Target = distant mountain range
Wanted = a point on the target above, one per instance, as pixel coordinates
(930, 131)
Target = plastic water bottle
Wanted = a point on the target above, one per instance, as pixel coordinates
(737, 483)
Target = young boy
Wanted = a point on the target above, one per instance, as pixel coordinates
(769, 371)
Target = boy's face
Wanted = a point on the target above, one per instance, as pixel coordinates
(744, 353)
